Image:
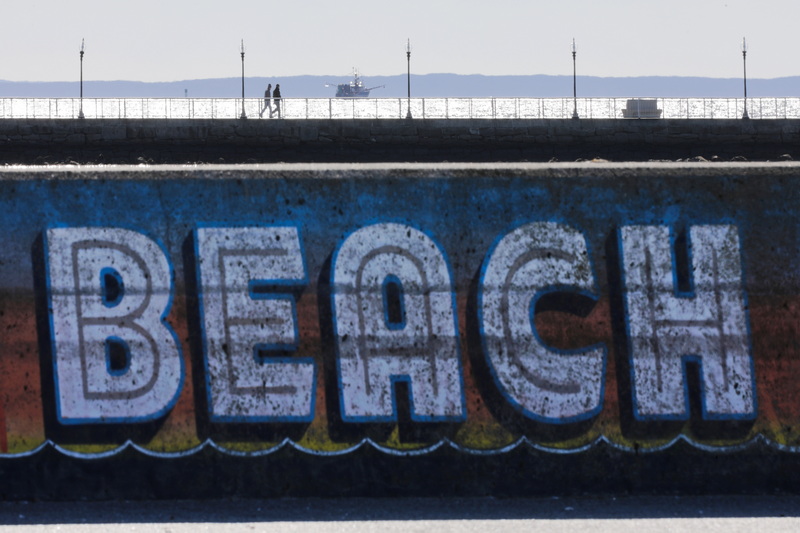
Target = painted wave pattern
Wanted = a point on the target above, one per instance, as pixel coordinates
(367, 442)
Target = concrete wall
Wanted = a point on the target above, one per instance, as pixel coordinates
(486, 329)
(36, 141)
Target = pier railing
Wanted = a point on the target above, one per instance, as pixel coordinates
(397, 108)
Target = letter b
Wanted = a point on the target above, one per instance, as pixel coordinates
(115, 358)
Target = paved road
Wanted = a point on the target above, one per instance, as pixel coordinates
(708, 514)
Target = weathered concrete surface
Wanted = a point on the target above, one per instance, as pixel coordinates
(709, 514)
(203, 331)
(37, 141)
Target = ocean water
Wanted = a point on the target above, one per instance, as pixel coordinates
(393, 108)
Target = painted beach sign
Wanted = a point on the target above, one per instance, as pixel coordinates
(405, 310)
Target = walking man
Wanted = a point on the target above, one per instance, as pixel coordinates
(267, 103)
(276, 97)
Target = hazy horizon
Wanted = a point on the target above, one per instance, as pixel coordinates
(422, 85)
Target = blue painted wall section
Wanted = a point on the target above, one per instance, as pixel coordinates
(479, 309)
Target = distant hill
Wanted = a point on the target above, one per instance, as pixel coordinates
(428, 85)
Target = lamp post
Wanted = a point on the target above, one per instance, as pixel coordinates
(574, 81)
(241, 49)
(408, 59)
(745, 116)
(80, 112)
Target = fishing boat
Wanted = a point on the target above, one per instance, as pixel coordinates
(354, 88)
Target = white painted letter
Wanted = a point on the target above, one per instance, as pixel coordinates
(110, 290)
(394, 312)
(244, 316)
(708, 326)
(544, 384)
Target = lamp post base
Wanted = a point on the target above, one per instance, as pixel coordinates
(745, 116)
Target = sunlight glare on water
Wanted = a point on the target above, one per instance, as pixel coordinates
(393, 108)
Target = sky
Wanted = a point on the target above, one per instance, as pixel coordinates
(171, 40)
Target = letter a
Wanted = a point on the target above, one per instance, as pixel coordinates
(394, 312)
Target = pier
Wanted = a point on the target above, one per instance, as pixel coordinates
(181, 141)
